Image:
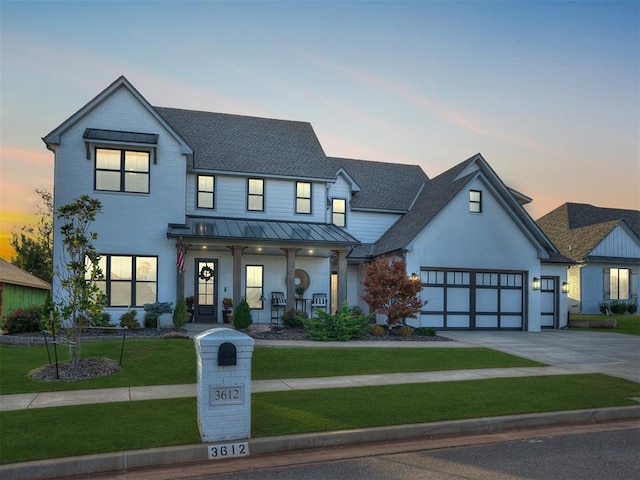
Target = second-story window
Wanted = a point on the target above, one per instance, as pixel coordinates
(206, 190)
(475, 201)
(255, 194)
(303, 197)
(339, 212)
(122, 170)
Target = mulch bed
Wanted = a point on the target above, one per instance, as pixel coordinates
(86, 369)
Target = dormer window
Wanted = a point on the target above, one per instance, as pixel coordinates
(475, 201)
(303, 197)
(339, 212)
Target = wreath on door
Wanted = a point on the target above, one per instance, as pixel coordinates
(206, 273)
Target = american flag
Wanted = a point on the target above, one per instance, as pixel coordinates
(180, 259)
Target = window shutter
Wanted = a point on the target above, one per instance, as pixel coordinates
(633, 284)
(606, 283)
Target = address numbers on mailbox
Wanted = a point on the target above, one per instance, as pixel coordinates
(226, 395)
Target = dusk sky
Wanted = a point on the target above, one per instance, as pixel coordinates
(548, 92)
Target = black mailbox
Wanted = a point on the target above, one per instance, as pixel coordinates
(227, 354)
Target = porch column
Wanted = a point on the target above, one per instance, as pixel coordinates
(342, 277)
(237, 274)
(291, 277)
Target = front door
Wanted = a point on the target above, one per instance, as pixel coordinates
(206, 290)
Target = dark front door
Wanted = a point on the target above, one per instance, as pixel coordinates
(206, 290)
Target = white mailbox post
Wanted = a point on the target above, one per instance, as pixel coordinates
(224, 384)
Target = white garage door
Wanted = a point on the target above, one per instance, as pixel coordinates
(473, 300)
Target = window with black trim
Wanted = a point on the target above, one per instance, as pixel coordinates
(255, 194)
(129, 280)
(303, 197)
(475, 201)
(122, 170)
(253, 292)
(206, 191)
(339, 212)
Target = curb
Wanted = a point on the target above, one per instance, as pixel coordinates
(185, 454)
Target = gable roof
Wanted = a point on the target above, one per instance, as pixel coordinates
(250, 145)
(577, 228)
(383, 186)
(53, 138)
(437, 194)
(13, 275)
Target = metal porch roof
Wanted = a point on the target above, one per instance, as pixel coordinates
(271, 231)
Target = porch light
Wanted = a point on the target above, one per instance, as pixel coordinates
(536, 283)
(565, 287)
(414, 277)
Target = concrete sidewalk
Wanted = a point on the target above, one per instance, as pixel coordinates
(24, 401)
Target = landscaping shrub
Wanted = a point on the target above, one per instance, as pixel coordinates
(242, 317)
(294, 318)
(618, 308)
(129, 320)
(377, 330)
(152, 312)
(425, 331)
(632, 307)
(180, 314)
(341, 326)
(102, 320)
(405, 331)
(23, 320)
(603, 306)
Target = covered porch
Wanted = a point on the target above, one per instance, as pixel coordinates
(253, 259)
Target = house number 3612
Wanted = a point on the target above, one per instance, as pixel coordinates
(227, 395)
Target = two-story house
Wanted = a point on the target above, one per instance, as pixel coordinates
(253, 208)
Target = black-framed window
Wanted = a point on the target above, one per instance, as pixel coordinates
(206, 191)
(122, 170)
(129, 280)
(254, 286)
(303, 197)
(339, 212)
(255, 194)
(619, 280)
(475, 201)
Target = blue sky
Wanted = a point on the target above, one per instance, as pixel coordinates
(548, 92)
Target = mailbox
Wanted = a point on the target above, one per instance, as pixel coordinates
(227, 355)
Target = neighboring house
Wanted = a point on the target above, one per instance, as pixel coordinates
(256, 208)
(20, 289)
(605, 244)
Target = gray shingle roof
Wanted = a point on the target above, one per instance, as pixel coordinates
(577, 228)
(384, 186)
(13, 275)
(252, 145)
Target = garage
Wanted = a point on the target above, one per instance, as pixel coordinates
(473, 299)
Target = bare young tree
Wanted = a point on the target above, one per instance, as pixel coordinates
(82, 300)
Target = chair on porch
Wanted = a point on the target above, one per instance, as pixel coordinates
(278, 306)
(318, 301)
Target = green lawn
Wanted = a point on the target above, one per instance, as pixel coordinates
(167, 362)
(80, 430)
(629, 324)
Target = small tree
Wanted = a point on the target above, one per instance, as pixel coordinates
(389, 290)
(79, 270)
(180, 313)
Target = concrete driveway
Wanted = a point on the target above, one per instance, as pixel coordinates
(613, 354)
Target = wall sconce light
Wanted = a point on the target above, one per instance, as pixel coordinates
(536, 283)
(565, 287)
(414, 277)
